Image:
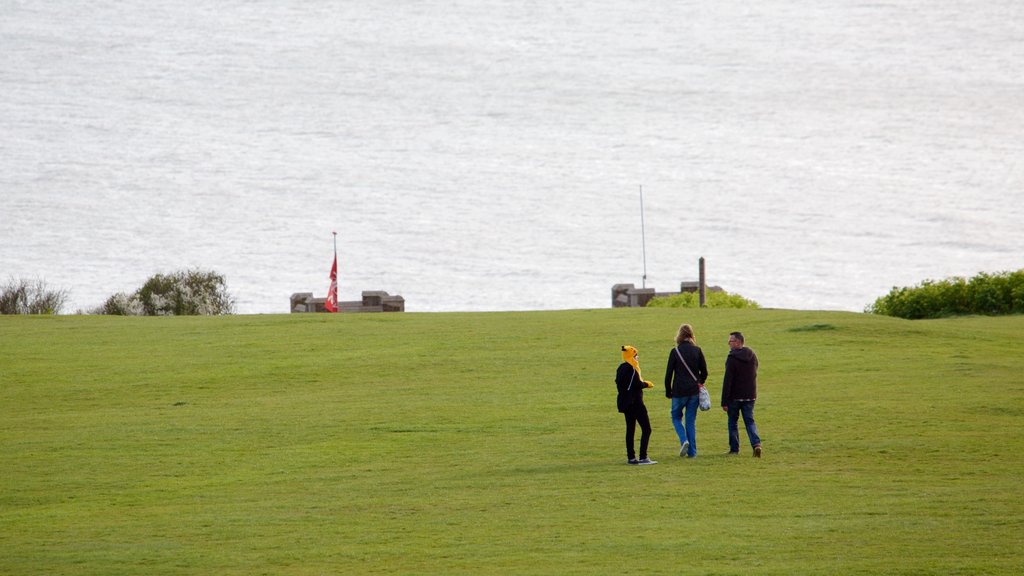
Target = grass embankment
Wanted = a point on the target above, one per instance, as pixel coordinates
(489, 444)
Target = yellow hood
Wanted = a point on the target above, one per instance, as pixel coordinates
(629, 356)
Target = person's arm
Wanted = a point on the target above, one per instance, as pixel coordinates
(621, 378)
(669, 372)
(702, 367)
(727, 383)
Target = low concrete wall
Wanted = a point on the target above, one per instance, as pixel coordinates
(373, 301)
(629, 296)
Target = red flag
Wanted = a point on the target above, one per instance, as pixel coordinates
(331, 304)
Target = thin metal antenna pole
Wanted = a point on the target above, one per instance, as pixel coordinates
(643, 235)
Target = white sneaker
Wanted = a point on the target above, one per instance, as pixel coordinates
(647, 461)
(684, 449)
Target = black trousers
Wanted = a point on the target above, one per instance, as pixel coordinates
(637, 415)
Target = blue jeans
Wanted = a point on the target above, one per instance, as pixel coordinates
(687, 433)
(747, 408)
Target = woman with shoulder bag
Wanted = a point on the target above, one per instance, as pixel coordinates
(684, 380)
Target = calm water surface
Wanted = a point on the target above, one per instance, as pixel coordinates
(484, 155)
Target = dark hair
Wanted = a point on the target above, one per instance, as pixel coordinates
(738, 335)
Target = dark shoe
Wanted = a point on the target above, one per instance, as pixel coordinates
(731, 453)
(684, 449)
(757, 451)
(647, 461)
(632, 461)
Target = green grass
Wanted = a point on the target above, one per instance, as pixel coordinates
(488, 443)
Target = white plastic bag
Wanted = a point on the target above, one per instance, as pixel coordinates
(705, 399)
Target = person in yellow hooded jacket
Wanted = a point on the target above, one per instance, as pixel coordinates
(630, 402)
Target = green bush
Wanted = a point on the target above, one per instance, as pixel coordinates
(692, 300)
(988, 294)
(21, 296)
(182, 293)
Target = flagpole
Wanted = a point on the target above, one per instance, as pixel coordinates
(336, 299)
(334, 278)
(643, 235)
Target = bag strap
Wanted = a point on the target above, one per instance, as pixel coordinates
(687, 366)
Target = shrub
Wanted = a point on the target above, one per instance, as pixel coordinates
(712, 300)
(21, 296)
(122, 304)
(182, 293)
(988, 294)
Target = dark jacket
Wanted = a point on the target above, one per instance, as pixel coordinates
(631, 388)
(740, 382)
(678, 382)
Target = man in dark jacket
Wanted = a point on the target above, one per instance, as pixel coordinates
(739, 391)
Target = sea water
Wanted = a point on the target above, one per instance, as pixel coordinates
(490, 155)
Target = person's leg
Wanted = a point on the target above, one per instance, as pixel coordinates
(630, 434)
(692, 405)
(734, 431)
(748, 421)
(676, 414)
(645, 431)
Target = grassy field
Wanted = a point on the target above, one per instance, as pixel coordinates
(488, 443)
